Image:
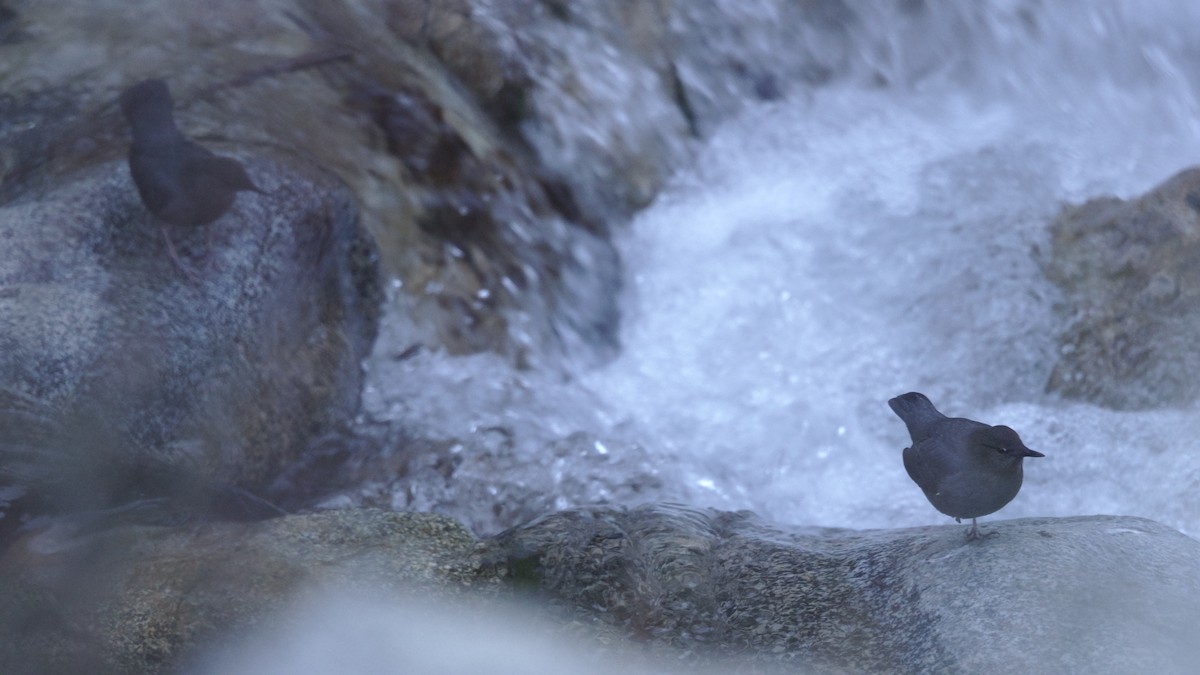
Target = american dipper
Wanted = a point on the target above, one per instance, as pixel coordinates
(180, 182)
(967, 469)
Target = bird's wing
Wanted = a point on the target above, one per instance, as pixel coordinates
(933, 460)
(921, 466)
(157, 170)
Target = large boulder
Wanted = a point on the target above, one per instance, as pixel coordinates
(126, 373)
(1130, 275)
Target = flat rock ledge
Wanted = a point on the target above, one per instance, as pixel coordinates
(705, 590)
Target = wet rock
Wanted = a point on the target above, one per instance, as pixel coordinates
(577, 116)
(1130, 275)
(1088, 594)
(144, 599)
(486, 480)
(120, 372)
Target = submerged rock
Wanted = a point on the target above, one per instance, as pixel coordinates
(1090, 594)
(1130, 275)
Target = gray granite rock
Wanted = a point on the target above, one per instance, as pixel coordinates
(1130, 275)
(1096, 594)
(120, 370)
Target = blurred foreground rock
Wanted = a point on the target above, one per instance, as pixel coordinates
(143, 599)
(710, 589)
(1130, 274)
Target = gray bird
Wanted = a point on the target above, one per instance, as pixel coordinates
(180, 182)
(967, 469)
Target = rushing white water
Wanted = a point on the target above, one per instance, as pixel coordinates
(828, 252)
(830, 256)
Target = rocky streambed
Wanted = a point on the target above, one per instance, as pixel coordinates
(451, 175)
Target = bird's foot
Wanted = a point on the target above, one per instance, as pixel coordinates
(973, 533)
(209, 265)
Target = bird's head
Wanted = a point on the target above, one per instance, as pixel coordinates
(146, 98)
(911, 400)
(228, 173)
(1005, 443)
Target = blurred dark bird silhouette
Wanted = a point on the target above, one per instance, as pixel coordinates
(180, 182)
(967, 469)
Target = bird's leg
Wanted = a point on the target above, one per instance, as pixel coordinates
(208, 243)
(187, 272)
(973, 533)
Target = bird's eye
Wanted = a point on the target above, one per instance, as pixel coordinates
(1001, 449)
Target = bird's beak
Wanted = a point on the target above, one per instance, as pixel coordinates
(1031, 453)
